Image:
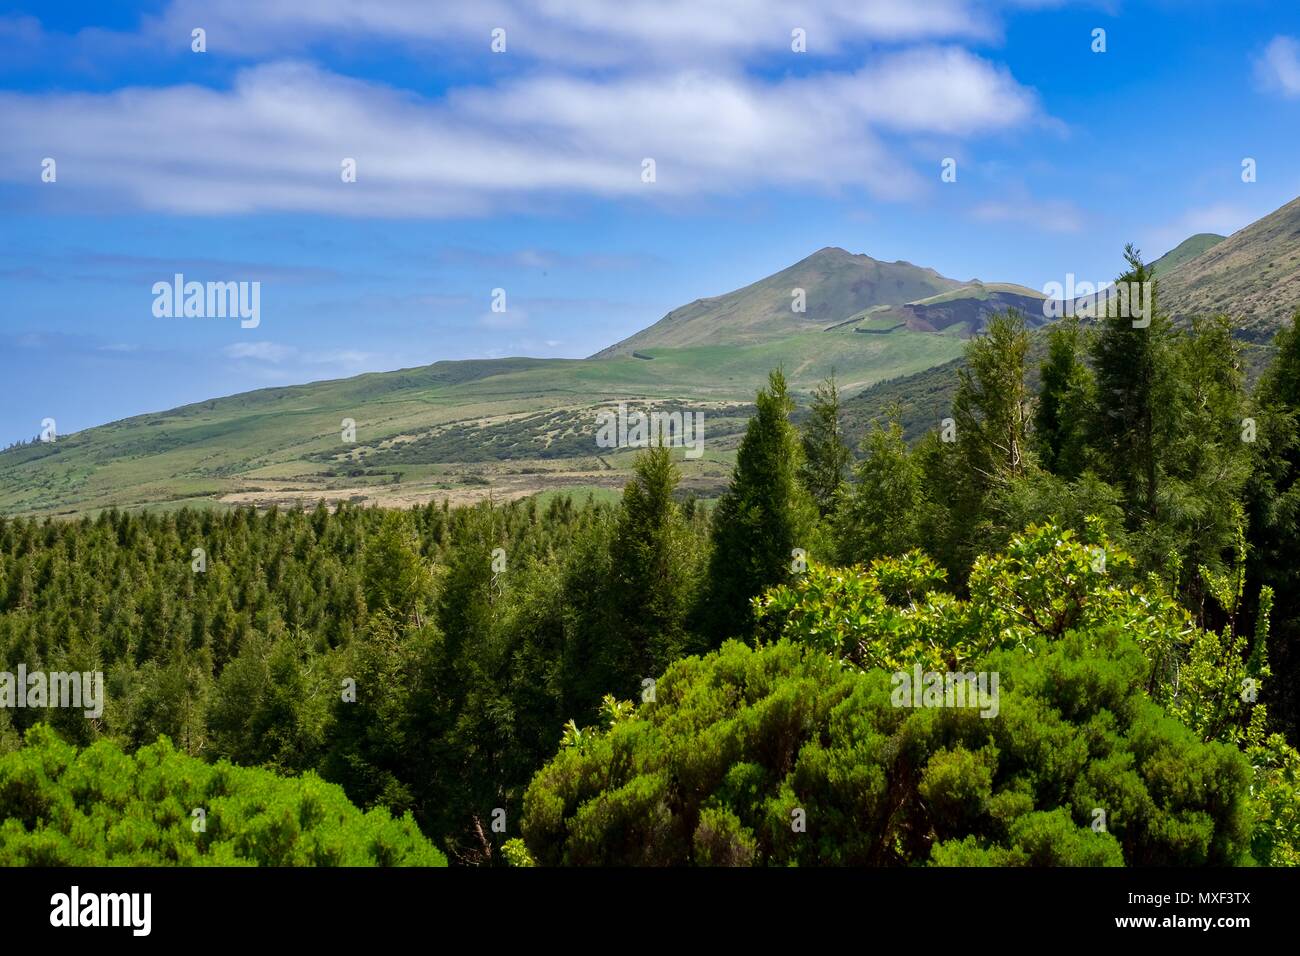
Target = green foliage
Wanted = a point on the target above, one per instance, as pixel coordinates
(1276, 838)
(1225, 671)
(1134, 375)
(101, 807)
(460, 677)
(271, 704)
(826, 458)
(878, 516)
(991, 409)
(1048, 582)
(516, 854)
(1044, 498)
(1129, 572)
(849, 613)
(738, 741)
(990, 412)
(1203, 463)
(654, 564)
(1272, 501)
(764, 515)
(396, 578)
(1066, 402)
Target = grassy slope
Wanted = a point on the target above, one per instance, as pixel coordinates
(1185, 251)
(980, 291)
(1254, 274)
(836, 283)
(418, 428)
(281, 444)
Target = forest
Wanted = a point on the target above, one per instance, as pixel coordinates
(672, 681)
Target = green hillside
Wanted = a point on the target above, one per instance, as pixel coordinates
(1254, 275)
(981, 292)
(507, 428)
(924, 398)
(1185, 251)
(836, 283)
(469, 430)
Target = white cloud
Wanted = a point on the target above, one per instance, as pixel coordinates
(510, 319)
(940, 90)
(577, 32)
(275, 363)
(340, 357)
(276, 354)
(1051, 215)
(1279, 68)
(276, 139)
(260, 351)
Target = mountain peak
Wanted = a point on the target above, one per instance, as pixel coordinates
(1188, 249)
(833, 285)
(834, 254)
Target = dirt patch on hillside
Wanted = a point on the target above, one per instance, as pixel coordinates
(502, 489)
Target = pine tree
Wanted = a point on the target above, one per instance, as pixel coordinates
(962, 478)
(652, 564)
(1131, 364)
(761, 519)
(992, 401)
(1273, 512)
(1203, 463)
(1065, 401)
(826, 457)
(877, 516)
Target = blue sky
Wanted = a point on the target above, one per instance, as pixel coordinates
(522, 170)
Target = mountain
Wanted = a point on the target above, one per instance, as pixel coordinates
(509, 427)
(464, 430)
(1189, 248)
(1253, 275)
(962, 311)
(836, 283)
(512, 427)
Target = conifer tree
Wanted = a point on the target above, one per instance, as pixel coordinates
(762, 517)
(992, 402)
(651, 563)
(877, 516)
(1064, 403)
(397, 581)
(1203, 461)
(826, 457)
(991, 447)
(1131, 362)
(1273, 512)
